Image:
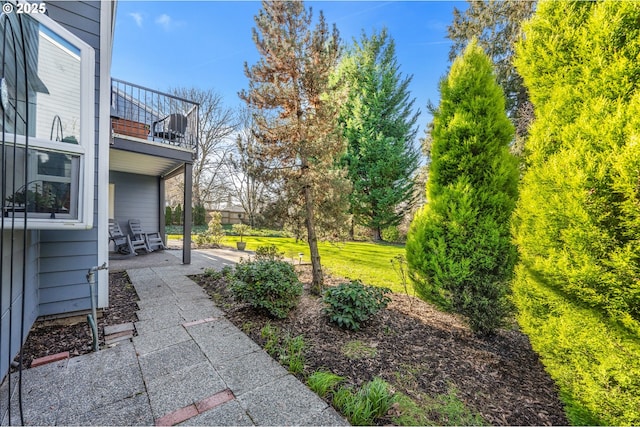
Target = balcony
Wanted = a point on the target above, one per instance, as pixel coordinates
(145, 115)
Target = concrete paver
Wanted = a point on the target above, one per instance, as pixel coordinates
(188, 364)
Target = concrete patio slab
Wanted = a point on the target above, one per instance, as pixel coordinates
(130, 411)
(158, 340)
(250, 371)
(285, 401)
(183, 387)
(228, 414)
(157, 364)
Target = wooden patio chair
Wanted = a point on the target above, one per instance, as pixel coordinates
(123, 242)
(153, 240)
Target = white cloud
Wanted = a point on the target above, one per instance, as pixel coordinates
(137, 17)
(164, 21)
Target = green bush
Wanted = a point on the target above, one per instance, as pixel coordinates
(350, 304)
(578, 219)
(594, 360)
(214, 233)
(199, 214)
(269, 285)
(372, 401)
(391, 234)
(168, 216)
(268, 253)
(177, 215)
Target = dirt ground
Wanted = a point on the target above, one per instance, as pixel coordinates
(51, 337)
(420, 351)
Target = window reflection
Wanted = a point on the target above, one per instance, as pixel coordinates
(53, 75)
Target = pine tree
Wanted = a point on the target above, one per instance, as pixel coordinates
(379, 125)
(459, 249)
(295, 116)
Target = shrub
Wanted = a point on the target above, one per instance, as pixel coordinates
(214, 233)
(177, 215)
(168, 215)
(350, 304)
(391, 234)
(268, 253)
(199, 214)
(322, 383)
(269, 285)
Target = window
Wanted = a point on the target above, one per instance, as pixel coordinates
(47, 124)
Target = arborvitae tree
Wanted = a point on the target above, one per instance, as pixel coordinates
(496, 24)
(459, 249)
(295, 115)
(577, 224)
(379, 125)
(177, 215)
(168, 216)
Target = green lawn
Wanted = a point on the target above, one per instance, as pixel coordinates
(369, 262)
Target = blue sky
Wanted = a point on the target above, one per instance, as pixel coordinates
(204, 44)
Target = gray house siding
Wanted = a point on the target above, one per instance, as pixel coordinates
(136, 197)
(12, 293)
(65, 256)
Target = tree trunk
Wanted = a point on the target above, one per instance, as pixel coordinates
(375, 234)
(316, 267)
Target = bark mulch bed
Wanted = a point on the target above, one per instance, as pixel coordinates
(74, 335)
(422, 352)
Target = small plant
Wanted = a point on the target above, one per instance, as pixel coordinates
(269, 285)
(214, 233)
(268, 253)
(356, 349)
(399, 264)
(288, 350)
(322, 382)
(292, 354)
(350, 304)
(271, 335)
(362, 407)
(240, 229)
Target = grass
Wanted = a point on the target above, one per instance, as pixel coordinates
(357, 349)
(367, 261)
(443, 410)
(322, 382)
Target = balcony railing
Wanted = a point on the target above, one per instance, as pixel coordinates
(142, 113)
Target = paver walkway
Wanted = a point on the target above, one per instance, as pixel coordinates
(187, 365)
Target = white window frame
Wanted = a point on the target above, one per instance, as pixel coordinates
(84, 176)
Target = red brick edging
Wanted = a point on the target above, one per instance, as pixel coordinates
(49, 359)
(194, 409)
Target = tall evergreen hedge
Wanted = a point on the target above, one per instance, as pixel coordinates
(459, 249)
(577, 223)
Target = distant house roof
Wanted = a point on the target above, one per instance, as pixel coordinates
(232, 209)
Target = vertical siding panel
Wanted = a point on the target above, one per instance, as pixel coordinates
(136, 197)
